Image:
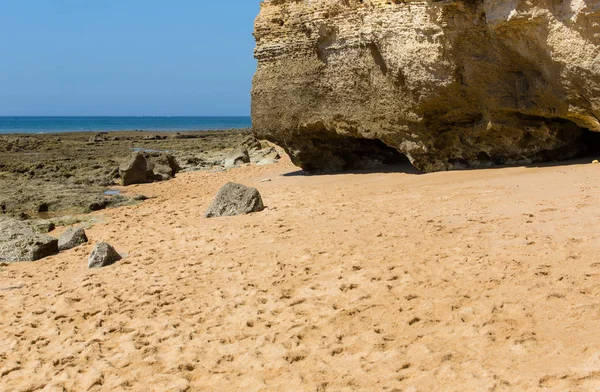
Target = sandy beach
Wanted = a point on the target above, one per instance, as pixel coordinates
(385, 280)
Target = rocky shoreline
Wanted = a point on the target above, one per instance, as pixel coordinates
(50, 175)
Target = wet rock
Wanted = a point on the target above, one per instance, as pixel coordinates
(235, 199)
(236, 157)
(103, 255)
(136, 170)
(20, 242)
(72, 238)
(97, 205)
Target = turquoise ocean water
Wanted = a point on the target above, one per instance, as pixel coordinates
(80, 124)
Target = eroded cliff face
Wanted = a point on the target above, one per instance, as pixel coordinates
(448, 84)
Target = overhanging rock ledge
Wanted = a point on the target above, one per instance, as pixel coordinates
(447, 84)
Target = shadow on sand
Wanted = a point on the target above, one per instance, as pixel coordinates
(407, 168)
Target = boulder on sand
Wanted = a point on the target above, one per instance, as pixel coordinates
(103, 255)
(20, 242)
(237, 157)
(235, 199)
(136, 170)
(72, 238)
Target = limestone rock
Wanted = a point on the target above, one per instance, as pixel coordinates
(43, 226)
(144, 167)
(235, 199)
(72, 238)
(103, 255)
(98, 138)
(165, 166)
(136, 170)
(266, 156)
(251, 143)
(237, 157)
(446, 84)
(20, 242)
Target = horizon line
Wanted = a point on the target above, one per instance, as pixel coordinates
(140, 116)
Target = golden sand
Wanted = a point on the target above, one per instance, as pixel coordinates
(386, 281)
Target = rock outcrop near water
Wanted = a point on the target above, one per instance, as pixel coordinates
(447, 84)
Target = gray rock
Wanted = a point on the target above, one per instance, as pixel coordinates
(235, 199)
(20, 242)
(154, 137)
(72, 238)
(251, 143)
(43, 226)
(237, 157)
(140, 197)
(266, 161)
(136, 170)
(267, 156)
(165, 165)
(103, 255)
(98, 138)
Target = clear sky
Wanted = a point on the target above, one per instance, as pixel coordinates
(126, 57)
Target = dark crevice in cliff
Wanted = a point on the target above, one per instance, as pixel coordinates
(590, 142)
(378, 58)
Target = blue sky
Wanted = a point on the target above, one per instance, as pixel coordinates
(126, 57)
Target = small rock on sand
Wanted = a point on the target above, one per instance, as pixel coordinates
(103, 255)
(72, 238)
(20, 242)
(235, 199)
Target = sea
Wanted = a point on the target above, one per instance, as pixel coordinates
(83, 124)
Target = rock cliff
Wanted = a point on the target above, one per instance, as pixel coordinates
(447, 84)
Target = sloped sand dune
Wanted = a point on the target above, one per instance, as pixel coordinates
(473, 280)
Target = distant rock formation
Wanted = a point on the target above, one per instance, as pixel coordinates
(447, 84)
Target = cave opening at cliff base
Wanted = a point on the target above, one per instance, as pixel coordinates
(350, 153)
(590, 141)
